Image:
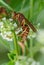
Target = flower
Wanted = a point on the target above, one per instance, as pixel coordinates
(18, 30)
(7, 36)
(27, 61)
(33, 63)
(17, 63)
(1, 24)
(4, 19)
(15, 25)
(10, 19)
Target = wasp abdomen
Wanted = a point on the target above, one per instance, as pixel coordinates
(25, 32)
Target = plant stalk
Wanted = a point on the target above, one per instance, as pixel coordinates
(6, 5)
(31, 47)
(15, 43)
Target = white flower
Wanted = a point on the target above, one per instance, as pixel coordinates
(6, 35)
(33, 63)
(10, 19)
(38, 63)
(28, 37)
(1, 24)
(30, 60)
(8, 39)
(17, 63)
(4, 19)
(18, 31)
(38, 24)
(31, 36)
(0, 34)
(15, 25)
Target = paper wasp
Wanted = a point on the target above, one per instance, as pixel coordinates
(24, 23)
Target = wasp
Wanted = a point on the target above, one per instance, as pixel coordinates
(26, 25)
(23, 21)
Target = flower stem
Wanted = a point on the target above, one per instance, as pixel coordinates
(31, 46)
(15, 43)
(30, 17)
(6, 5)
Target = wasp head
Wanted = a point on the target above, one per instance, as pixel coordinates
(3, 12)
